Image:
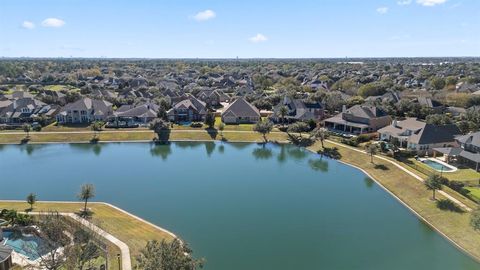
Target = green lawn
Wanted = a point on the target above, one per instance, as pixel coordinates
(415, 195)
(474, 192)
(126, 228)
(463, 175)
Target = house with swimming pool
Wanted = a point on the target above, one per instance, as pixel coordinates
(467, 153)
(419, 136)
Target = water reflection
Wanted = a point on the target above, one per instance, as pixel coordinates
(210, 147)
(318, 165)
(161, 150)
(262, 153)
(368, 182)
(96, 148)
(221, 149)
(297, 153)
(282, 156)
(187, 144)
(30, 148)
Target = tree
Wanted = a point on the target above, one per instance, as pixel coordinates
(52, 229)
(263, 127)
(27, 128)
(320, 134)
(210, 119)
(372, 150)
(31, 199)
(298, 127)
(437, 83)
(87, 192)
(162, 130)
(96, 128)
(475, 219)
(434, 182)
(84, 248)
(167, 256)
(221, 127)
(283, 111)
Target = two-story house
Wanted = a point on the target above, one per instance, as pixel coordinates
(84, 111)
(189, 109)
(467, 153)
(358, 119)
(298, 110)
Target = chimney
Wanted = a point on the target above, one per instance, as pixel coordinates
(344, 108)
(394, 123)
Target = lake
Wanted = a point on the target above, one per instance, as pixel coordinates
(241, 206)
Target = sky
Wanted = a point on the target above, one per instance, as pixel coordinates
(244, 29)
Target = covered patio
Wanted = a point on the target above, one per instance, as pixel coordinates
(457, 155)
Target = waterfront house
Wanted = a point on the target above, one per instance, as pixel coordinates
(85, 111)
(298, 110)
(189, 109)
(133, 115)
(240, 111)
(467, 153)
(17, 109)
(5, 256)
(358, 119)
(212, 97)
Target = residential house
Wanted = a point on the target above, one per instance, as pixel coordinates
(419, 136)
(133, 115)
(190, 109)
(467, 152)
(298, 110)
(21, 109)
(212, 97)
(84, 111)
(358, 119)
(6, 262)
(240, 111)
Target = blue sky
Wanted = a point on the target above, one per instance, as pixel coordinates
(247, 28)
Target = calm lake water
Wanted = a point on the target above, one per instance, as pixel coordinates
(241, 206)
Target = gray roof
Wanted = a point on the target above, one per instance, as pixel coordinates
(399, 127)
(366, 111)
(88, 104)
(431, 134)
(241, 107)
(472, 138)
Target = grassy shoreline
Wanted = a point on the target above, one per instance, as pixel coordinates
(126, 227)
(453, 226)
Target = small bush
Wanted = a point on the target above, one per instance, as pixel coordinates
(352, 142)
(196, 125)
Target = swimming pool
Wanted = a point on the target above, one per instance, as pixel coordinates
(27, 245)
(438, 166)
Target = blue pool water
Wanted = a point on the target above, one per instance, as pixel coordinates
(27, 245)
(437, 166)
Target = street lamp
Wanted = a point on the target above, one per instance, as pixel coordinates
(118, 258)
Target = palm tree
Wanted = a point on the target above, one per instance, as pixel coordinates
(320, 134)
(283, 112)
(27, 128)
(372, 150)
(434, 182)
(87, 192)
(31, 199)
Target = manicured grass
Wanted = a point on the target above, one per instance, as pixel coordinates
(139, 135)
(412, 192)
(126, 228)
(463, 175)
(474, 192)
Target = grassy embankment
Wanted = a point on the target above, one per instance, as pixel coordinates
(413, 193)
(131, 231)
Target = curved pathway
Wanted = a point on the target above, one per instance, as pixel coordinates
(446, 195)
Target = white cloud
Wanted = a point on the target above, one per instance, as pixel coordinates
(404, 2)
(205, 15)
(53, 22)
(258, 38)
(28, 25)
(382, 10)
(430, 3)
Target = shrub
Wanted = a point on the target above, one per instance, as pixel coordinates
(352, 142)
(446, 204)
(364, 138)
(196, 125)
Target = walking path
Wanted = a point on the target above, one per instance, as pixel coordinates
(408, 172)
(124, 250)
